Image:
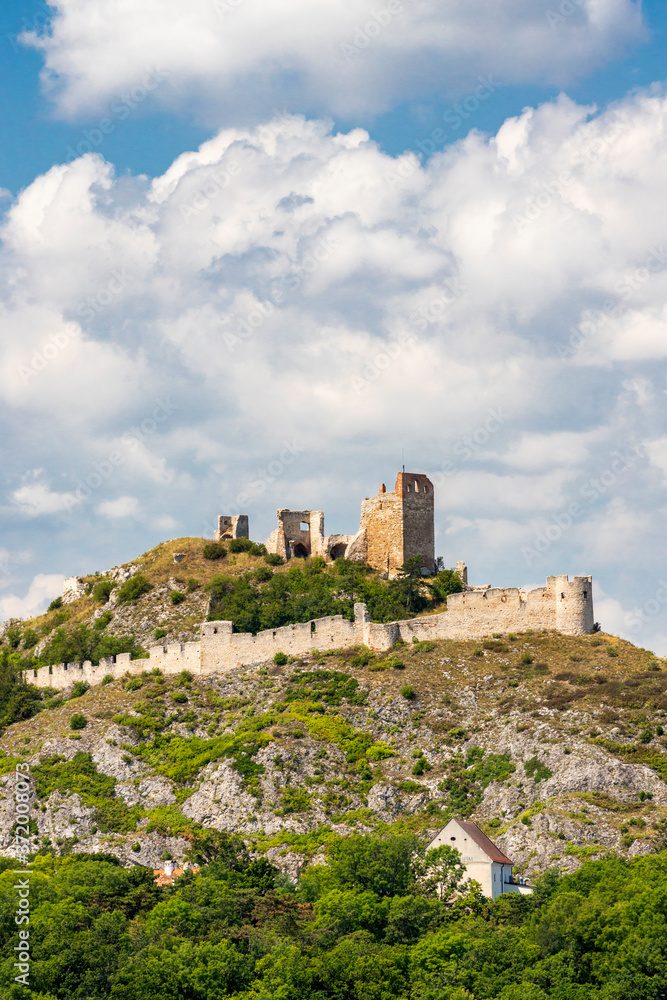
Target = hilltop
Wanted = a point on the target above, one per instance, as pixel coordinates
(553, 744)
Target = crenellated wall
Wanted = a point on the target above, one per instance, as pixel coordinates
(562, 605)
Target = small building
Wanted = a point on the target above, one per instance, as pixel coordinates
(484, 862)
(170, 872)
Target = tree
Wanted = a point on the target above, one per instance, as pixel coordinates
(441, 872)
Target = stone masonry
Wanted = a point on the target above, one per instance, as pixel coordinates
(394, 527)
(562, 604)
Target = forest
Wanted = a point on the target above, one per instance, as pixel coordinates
(380, 918)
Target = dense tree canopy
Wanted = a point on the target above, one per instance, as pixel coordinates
(369, 925)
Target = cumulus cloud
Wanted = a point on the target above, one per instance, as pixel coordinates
(287, 306)
(35, 498)
(122, 507)
(352, 58)
(43, 588)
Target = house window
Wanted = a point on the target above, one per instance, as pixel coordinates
(452, 838)
(305, 526)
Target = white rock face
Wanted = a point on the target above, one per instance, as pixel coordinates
(73, 589)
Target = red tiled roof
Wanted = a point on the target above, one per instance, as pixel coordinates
(481, 839)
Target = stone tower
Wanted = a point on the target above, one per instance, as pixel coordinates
(397, 526)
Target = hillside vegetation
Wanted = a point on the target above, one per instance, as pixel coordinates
(308, 790)
(368, 925)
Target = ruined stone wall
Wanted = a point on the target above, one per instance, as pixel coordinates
(382, 523)
(563, 605)
(400, 525)
(290, 539)
(229, 526)
(170, 660)
(418, 517)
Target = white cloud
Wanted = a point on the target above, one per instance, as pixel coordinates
(657, 452)
(35, 499)
(122, 507)
(251, 56)
(294, 287)
(42, 590)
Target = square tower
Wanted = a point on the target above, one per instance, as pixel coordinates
(400, 525)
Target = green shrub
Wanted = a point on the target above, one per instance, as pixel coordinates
(263, 573)
(101, 623)
(159, 633)
(646, 736)
(136, 847)
(526, 658)
(177, 597)
(280, 659)
(213, 551)
(30, 638)
(421, 766)
(133, 589)
(56, 603)
(273, 559)
(102, 590)
(180, 697)
(536, 770)
(133, 684)
(79, 689)
(478, 652)
(408, 692)
(611, 651)
(241, 545)
(362, 658)
(85, 643)
(184, 678)
(13, 636)
(107, 679)
(192, 585)
(78, 721)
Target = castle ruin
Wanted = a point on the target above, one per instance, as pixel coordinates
(563, 605)
(394, 527)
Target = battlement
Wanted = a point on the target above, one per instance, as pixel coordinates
(562, 605)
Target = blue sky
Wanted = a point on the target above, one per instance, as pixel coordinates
(252, 250)
(32, 138)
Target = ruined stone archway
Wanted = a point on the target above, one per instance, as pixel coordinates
(300, 551)
(338, 551)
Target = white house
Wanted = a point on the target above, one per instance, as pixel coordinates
(484, 862)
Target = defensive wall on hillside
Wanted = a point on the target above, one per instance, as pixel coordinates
(562, 605)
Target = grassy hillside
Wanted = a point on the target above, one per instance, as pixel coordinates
(554, 744)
